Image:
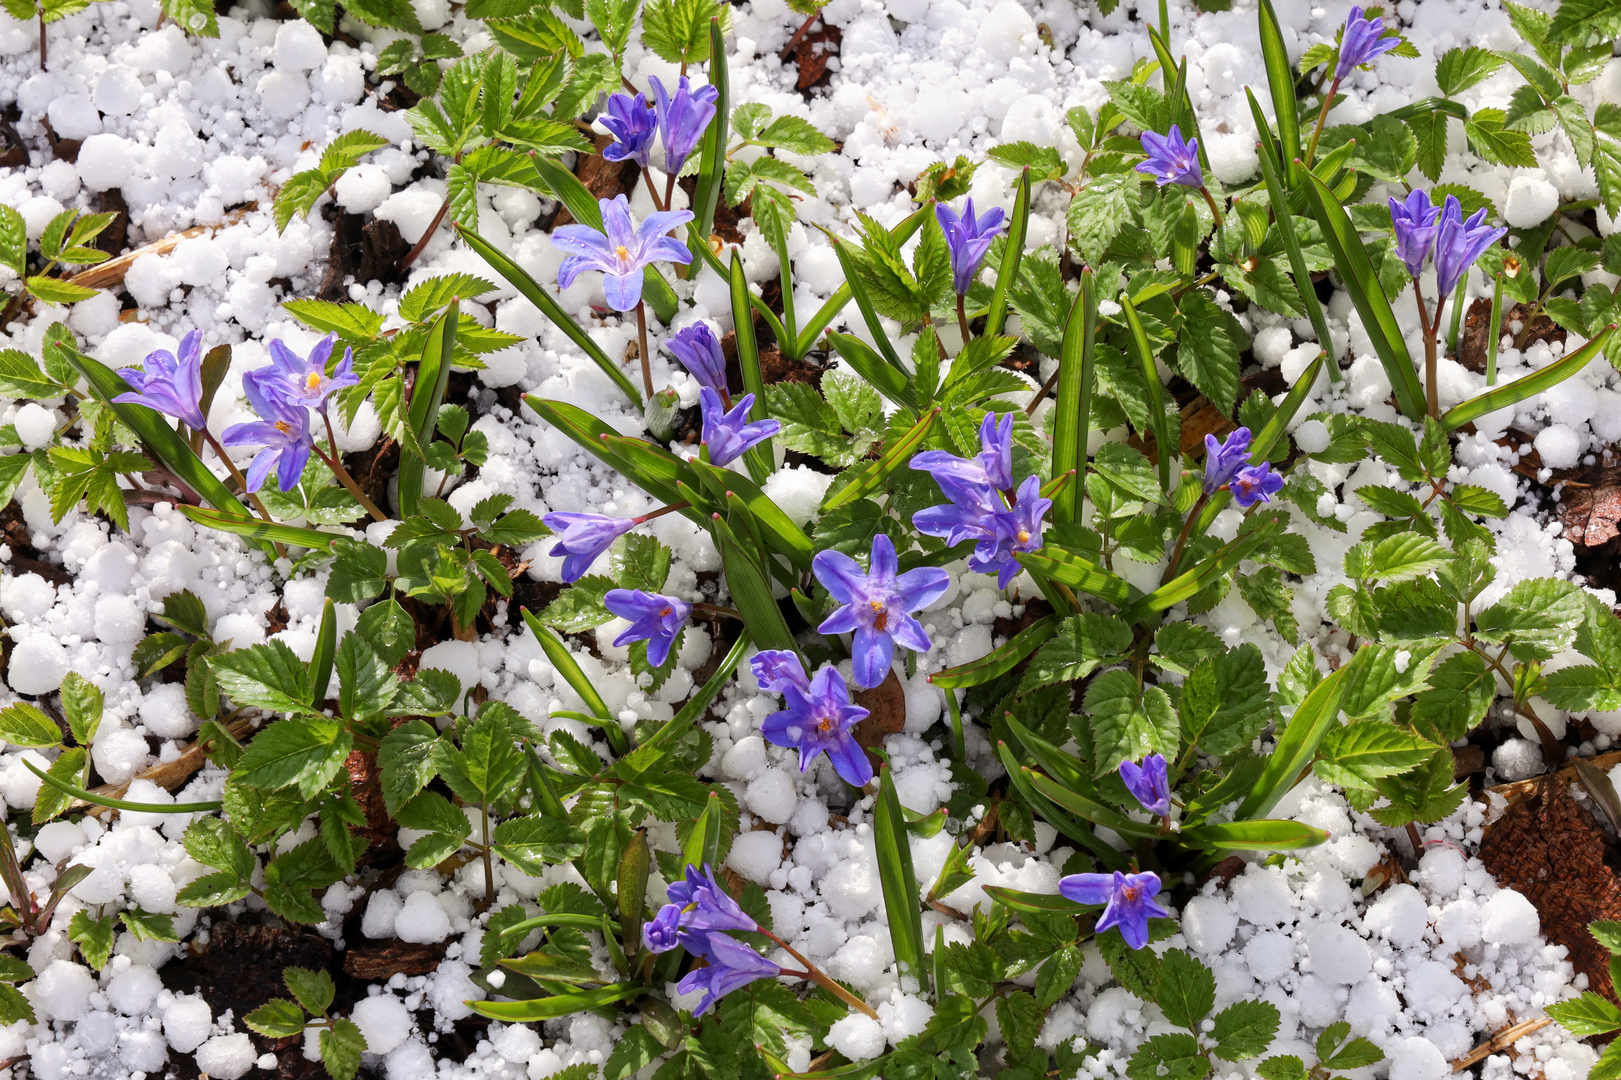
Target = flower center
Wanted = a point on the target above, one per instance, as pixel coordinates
(312, 381)
(1129, 893)
(284, 427)
(880, 615)
(623, 253)
(825, 725)
(665, 611)
(1024, 536)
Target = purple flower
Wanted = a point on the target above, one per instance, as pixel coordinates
(655, 619)
(878, 605)
(818, 717)
(582, 537)
(1255, 483)
(1148, 783)
(682, 120)
(700, 353)
(1170, 160)
(1129, 900)
(729, 965)
(630, 121)
(968, 239)
(621, 251)
(727, 433)
(1012, 532)
(992, 467)
(171, 386)
(305, 381)
(1362, 43)
(705, 905)
(663, 933)
(283, 429)
(1458, 243)
(1415, 224)
(1223, 460)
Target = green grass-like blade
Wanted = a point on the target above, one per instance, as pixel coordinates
(433, 376)
(569, 668)
(999, 661)
(119, 804)
(841, 296)
(1291, 240)
(1156, 393)
(704, 843)
(1008, 272)
(584, 209)
(1525, 386)
(536, 294)
(1298, 745)
(713, 161)
(1280, 80)
(1351, 259)
(899, 881)
(757, 458)
(751, 588)
(648, 753)
(869, 314)
(872, 475)
(254, 529)
(1033, 903)
(558, 1005)
(784, 536)
(1072, 418)
(326, 650)
(1185, 585)
(1079, 572)
(881, 376)
(1264, 835)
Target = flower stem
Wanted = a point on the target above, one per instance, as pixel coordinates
(1211, 201)
(653, 191)
(821, 978)
(962, 320)
(1432, 392)
(647, 362)
(411, 256)
(1322, 118)
(716, 609)
(799, 35)
(1182, 540)
(661, 511)
(335, 463)
(236, 474)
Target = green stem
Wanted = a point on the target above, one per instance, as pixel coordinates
(335, 463)
(1494, 331)
(1182, 540)
(962, 320)
(1211, 200)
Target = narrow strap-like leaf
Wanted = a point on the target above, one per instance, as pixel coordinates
(1072, 416)
(713, 161)
(1265, 835)
(1280, 79)
(254, 529)
(841, 296)
(537, 294)
(756, 458)
(1000, 661)
(1527, 385)
(872, 475)
(1008, 272)
(326, 651)
(1294, 750)
(433, 376)
(1367, 294)
(899, 883)
(1156, 393)
(563, 661)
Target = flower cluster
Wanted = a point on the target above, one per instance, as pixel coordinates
(680, 120)
(282, 395)
(169, 384)
(984, 508)
(1423, 229)
(727, 432)
(696, 918)
(654, 618)
(1226, 465)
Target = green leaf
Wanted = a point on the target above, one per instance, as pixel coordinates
(341, 1045)
(1461, 690)
(1539, 615)
(678, 30)
(93, 936)
(268, 676)
(1396, 558)
(20, 377)
(426, 299)
(1362, 752)
(366, 683)
(21, 724)
(446, 826)
(1098, 213)
(305, 751)
(1459, 69)
(1206, 353)
(1496, 143)
(1187, 989)
(13, 240)
(1244, 1029)
(532, 843)
(146, 926)
(1225, 701)
(899, 883)
(69, 766)
(1083, 644)
(314, 990)
(277, 1018)
(1121, 726)
(212, 842)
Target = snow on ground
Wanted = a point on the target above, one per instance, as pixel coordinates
(194, 132)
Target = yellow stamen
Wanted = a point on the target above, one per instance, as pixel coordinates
(312, 381)
(623, 253)
(284, 427)
(1024, 537)
(825, 725)
(882, 620)
(1129, 893)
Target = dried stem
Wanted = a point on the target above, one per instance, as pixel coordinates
(647, 360)
(335, 463)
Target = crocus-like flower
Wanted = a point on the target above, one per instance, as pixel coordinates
(1012, 532)
(818, 716)
(1415, 222)
(1170, 160)
(1459, 242)
(630, 121)
(730, 964)
(1362, 43)
(662, 933)
(1148, 783)
(1129, 900)
(582, 537)
(305, 381)
(621, 250)
(1255, 483)
(654, 618)
(968, 239)
(700, 353)
(728, 432)
(1223, 460)
(682, 119)
(697, 905)
(173, 386)
(283, 429)
(878, 605)
(991, 467)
